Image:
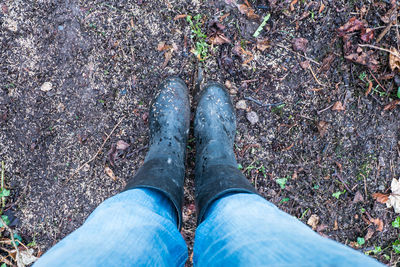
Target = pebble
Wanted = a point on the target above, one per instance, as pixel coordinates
(252, 117)
(47, 86)
(241, 104)
(381, 161)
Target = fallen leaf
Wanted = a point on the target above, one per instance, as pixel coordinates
(313, 221)
(358, 197)
(392, 105)
(181, 16)
(263, 44)
(26, 257)
(378, 222)
(364, 58)
(338, 106)
(248, 11)
(162, 46)
(352, 25)
(122, 145)
(300, 44)
(381, 198)
(292, 4)
(322, 128)
(326, 62)
(367, 34)
(369, 88)
(110, 173)
(335, 226)
(394, 197)
(394, 61)
(321, 8)
(305, 64)
(215, 33)
(369, 234)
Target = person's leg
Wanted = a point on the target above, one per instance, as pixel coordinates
(136, 227)
(237, 227)
(139, 226)
(246, 230)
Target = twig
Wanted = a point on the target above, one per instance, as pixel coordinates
(3, 200)
(12, 239)
(325, 109)
(376, 80)
(315, 77)
(98, 151)
(290, 50)
(379, 48)
(384, 32)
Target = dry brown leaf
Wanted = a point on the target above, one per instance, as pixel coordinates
(322, 128)
(110, 173)
(369, 234)
(162, 46)
(378, 222)
(248, 11)
(305, 64)
(300, 44)
(358, 197)
(367, 34)
(219, 39)
(326, 62)
(364, 58)
(321, 8)
(394, 61)
(263, 44)
(313, 221)
(292, 4)
(122, 145)
(381, 198)
(369, 88)
(352, 25)
(335, 226)
(338, 106)
(181, 16)
(392, 105)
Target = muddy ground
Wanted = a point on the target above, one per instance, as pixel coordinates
(71, 70)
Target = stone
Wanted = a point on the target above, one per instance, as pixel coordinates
(252, 117)
(47, 86)
(241, 104)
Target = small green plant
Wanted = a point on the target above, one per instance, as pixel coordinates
(261, 27)
(240, 167)
(201, 46)
(360, 241)
(338, 193)
(375, 251)
(282, 182)
(363, 210)
(396, 246)
(286, 199)
(362, 76)
(396, 222)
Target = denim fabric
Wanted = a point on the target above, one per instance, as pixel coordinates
(138, 228)
(247, 230)
(134, 228)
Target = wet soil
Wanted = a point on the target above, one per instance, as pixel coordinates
(103, 64)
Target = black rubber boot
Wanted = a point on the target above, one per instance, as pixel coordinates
(164, 168)
(216, 171)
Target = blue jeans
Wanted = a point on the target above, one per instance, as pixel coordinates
(138, 228)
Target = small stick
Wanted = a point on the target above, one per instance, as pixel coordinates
(315, 77)
(98, 151)
(325, 109)
(373, 76)
(12, 239)
(384, 32)
(290, 50)
(379, 48)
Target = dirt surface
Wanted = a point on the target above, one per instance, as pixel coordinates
(71, 70)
